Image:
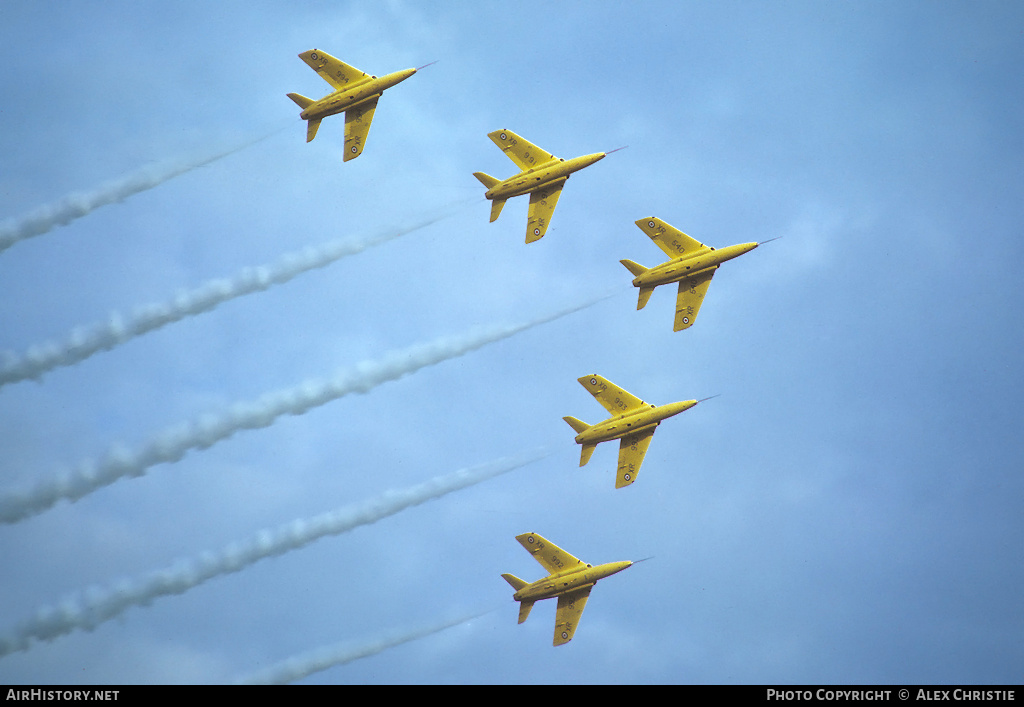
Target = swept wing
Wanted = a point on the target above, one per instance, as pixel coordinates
(632, 449)
(542, 206)
(670, 239)
(357, 127)
(614, 399)
(524, 153)
(551, 557)
(567, 615)
(333, 71)
(689, 298)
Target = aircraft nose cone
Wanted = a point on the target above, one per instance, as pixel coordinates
(399, 76)
(587, 160)
(676, 408)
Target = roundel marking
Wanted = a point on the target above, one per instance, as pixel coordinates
(313, 56)
(650, 224)
(503, 136)
(565, 635)
(686, 320)
(354, 148)
(625, 477)
(536, 231)
(593, 381)
(529, 539)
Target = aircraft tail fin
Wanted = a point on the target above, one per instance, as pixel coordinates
(645, 290)
(301, 100)
(578, 425)
(645, 294)
(516, 583)
(497, 204)
(585, 453)
(486, 179)
(311, 128)
(496, 207)
(636, 268)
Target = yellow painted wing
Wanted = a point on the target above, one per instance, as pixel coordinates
(525, 154)
(567, 615)
(632, 449)
(542, 206)
(689, 298)
(333, 71)
(357, 127)
(614, 399)
(670, 239)
(551, 557)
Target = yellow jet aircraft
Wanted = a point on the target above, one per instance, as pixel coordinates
(692, 265)
(633, 421)
(355, 94)
(542, 176)
(569, 579)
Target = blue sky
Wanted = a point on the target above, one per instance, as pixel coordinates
(847, 511)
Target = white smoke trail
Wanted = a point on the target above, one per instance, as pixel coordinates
(84, 342)
(300, 666)
(95, 605)
(78, 204)
(172, 444)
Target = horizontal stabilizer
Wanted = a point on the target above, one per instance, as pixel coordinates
(311, 128)
(645, 294)
(486, 179)
(578, 425)
(301, 100)
(585, 453)
(524, 610)
(516, 583)
(636, 268)
(496, 207)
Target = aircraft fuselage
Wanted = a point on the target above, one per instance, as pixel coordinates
(682, 268)
(562, 583)
(354, 95)
(632, 421)
(541, 176)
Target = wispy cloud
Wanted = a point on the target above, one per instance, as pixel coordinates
(92, 607)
